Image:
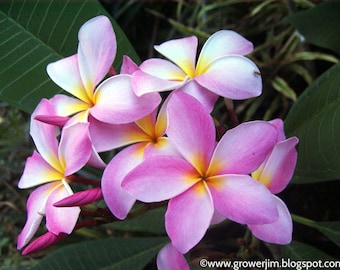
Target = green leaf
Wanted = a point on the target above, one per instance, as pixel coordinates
(108, 254)
(152, 221)
(35, 33)
(298, 251)
(330, 229)
(282, 86)
(315, 120)
(319, 25)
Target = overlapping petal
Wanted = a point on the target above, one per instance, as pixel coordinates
(75, 147)
(182, 52)
(35, 212)
(96, 51)
(66, 106)
(116, 102)
(169, 258)
(188, 217)
(279, 168)
(278, 232)
(242, 199)
(118, 199)
(37, 171)
(60, 219)
(166, 177)
(222, 43)
(234, 77)
(242, 149)
(191, 130)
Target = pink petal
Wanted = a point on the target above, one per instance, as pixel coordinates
(182, 52)
(60, 219)
(128, 66)
(160, 178)
(35, 212)
(222, 43)
(42, 242)
(37, 171)
(116, 198)
(59, 121)
(67, 106)
(44, 135)
(204, 96)
(278, 232)
(191, 130)
(75, 147)
(144, 83)
(163, 146)
(95, 160)
(80, 198)
(116, 103)
(242, 149)
(169, 258)
(242, 199)
(106, 137)
(65, 73)
(188, 217)
(278, 123)
(96, 51)
(233, 77)
(279, 167)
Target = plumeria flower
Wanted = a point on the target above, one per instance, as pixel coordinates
(221, 69)
(207, 175)
(50, 168)
(275, 173)
(111, 101)
(147, 136)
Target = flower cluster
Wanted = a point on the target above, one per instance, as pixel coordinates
(165, 145)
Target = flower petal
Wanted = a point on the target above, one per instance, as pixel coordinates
(204, 96)
(106, 137)
(80, 198)
(279, 167)
(143, 83)
(222, 43)
(278, 123)
(44, 135)
(65, 73)
(117, 199)
(191, 130)
(116, 102)
(37, 171)
(169, 258)
(242, 199)
(188, 217)
(128, 66)
(278, 232)
(242, 149)
(60, 219)
(160, 178)
(35, 212)
(182, 52)
(66, 106)
(96, 51)
(233, 77)
(75, 147)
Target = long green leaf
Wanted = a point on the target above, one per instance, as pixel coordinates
(315, 120)
(297, 252)
(35, 33)
(330, 229)
(108, 254)
(320, 25)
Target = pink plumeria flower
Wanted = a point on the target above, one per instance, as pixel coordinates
(207, 176)
(221, 69)
(147, 136)
(50, 169)
(111, 101)
(170, 258)
(275, 173)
